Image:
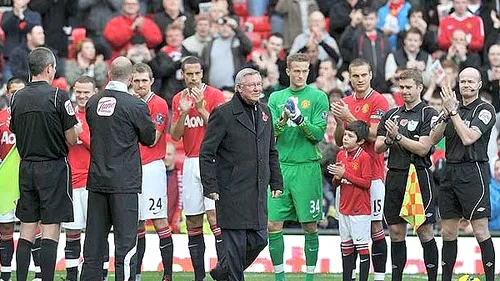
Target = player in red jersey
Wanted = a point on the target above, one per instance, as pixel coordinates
(191, 108)
(153, 199)
(353, 173)
(79, 160)
(8, 139)
(367, 105)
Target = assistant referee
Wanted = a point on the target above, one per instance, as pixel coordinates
(118, 122)
(44, 122)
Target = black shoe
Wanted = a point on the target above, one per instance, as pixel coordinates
(218, 273)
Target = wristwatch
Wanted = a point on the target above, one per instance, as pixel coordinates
(453, 113)
(398, 137)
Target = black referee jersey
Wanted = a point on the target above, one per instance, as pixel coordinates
(40, 114)
(413, 123)
(118, 121)
(480, 116)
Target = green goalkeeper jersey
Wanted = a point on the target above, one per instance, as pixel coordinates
(298, 144)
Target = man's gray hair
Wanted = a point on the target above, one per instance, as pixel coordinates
(121, 69)
(242, 73)
(39, 59)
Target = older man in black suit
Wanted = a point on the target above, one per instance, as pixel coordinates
(238, 161)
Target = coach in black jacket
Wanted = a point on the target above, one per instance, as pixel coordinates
(238, 160)
(117, 121)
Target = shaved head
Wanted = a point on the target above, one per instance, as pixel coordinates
(471, 72)
(121, 69)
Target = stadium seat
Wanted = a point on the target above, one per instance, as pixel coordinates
(327, 24)
(240, 7)
(259, 23)
(76, 36)
(256, 38)
(61, 83)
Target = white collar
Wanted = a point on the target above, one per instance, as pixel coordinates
(117, 86)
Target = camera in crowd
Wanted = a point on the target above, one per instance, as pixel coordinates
(222, 20)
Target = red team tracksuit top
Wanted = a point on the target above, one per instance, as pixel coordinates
(471, 24)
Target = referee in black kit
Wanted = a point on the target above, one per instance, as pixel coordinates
(43, 120)
(118, 121)
(464, 191)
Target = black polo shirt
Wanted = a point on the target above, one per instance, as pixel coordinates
(413, 123)
(40, 114)
(480, 116)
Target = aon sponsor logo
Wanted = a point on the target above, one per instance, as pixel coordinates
(8, 138)
(193, 121)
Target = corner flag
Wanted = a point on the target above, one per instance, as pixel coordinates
(9, 181)
(412, 209)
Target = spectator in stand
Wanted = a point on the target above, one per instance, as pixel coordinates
(275, 18)
(451, 71)
(462, 19)
(483, 10)
(87, 63)
(35, 37)
(410, 56)
(494, 222)
(460, 53)
(342, 13)
(95, 14)
(217, 11)
(200, 39)
(167, 64)
(271, 56)
(392, 19)
(139, 51)
(14, 25)
(490, 73)
(416, 20)
(327, 79)
(367, 42)
(494, 37)
(296, 14)
(172, 14)
(226, 54)
(316, 34)
(120, 29)
(55, 16)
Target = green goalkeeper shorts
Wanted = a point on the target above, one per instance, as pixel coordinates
(302, 198)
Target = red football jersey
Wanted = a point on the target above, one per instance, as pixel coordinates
(194, 126)
(370, 109)
(158, 109)
(79, 154)
(8, 138)
(355, 184)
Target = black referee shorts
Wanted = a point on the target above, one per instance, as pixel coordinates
(395, 191)
(464, 191)
(45, 192)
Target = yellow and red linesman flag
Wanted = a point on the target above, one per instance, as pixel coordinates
(9, 181)
(412, 209)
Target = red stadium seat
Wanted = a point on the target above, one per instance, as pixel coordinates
(327, 24)
(240, 7)
(61, 83)
(256, 38)
(259, 23)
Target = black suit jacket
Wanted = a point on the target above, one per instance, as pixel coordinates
(239, 163)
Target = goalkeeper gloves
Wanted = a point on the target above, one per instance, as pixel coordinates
(293, 110)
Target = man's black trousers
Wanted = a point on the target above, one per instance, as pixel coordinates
(121, 212)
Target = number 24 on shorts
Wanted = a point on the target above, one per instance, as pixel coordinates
(155, 204)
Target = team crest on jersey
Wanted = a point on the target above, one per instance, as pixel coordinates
(106, 106)
(160, 119)
(412, 125)
(355, 166)
(365, 108)
(305, 104)
(403, 122)
(69, 108)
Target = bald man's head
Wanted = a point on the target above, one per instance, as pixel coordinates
(120, 70)
(471, 72)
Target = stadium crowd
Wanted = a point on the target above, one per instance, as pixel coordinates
(438, 38)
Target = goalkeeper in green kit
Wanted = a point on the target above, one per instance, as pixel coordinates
(299, 116)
